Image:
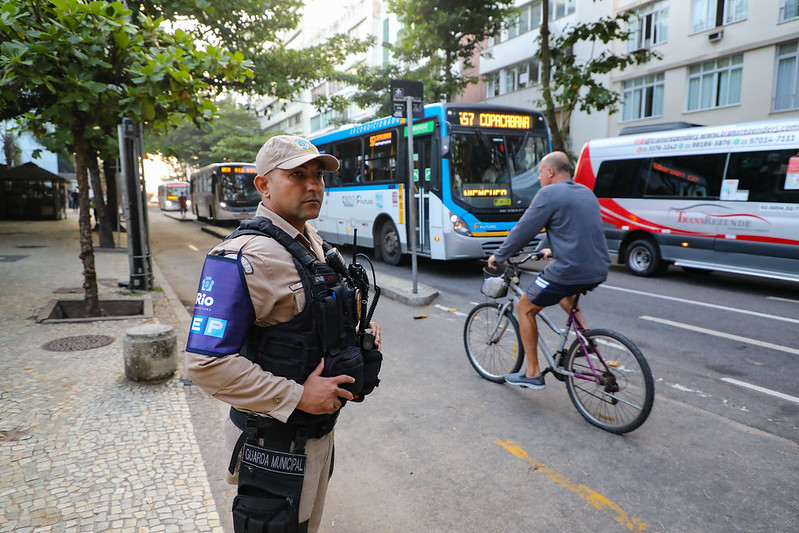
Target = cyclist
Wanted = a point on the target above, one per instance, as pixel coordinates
(570, 213)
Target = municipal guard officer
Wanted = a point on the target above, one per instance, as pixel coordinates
(290, 179)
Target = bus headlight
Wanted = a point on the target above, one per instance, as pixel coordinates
(223, 205)
(460, 226)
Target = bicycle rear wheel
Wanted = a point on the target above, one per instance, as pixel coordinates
(493, 358)
(621, 398)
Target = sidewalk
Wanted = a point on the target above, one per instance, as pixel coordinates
(82, 448)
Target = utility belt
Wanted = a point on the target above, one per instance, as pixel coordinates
(271, 474)
(274, 432)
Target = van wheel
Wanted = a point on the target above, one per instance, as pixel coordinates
(390, 248)
(643, 258)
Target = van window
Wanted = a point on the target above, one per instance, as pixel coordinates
(686, 176)
(622, 179)
(763, 176)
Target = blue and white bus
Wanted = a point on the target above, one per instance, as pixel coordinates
(224, 192)
(475, 172)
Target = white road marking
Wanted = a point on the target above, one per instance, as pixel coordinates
(791, 300)
(703, 304)
(738, 338)
(192, 247)
(449, 310)
(764, 390)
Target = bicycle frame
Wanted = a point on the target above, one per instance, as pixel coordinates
(572, 324)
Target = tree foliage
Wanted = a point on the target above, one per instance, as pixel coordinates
(256, 28)
(82, 65)
(437, 43)
(439, 40)
(236, 135)
(569, 83)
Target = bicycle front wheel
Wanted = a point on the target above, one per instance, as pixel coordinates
(493, 343)
(618, 394)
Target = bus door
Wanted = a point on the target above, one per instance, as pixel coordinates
(425, 178)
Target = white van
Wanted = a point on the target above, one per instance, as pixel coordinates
(722, 198)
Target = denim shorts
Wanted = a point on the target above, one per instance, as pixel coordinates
(544, 293)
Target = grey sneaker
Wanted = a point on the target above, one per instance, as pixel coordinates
(521, 379)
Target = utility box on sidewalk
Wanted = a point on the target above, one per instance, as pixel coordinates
(151, 352)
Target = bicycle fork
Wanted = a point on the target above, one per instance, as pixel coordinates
(502, 324)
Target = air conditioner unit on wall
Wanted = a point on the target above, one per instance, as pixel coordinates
(715, 36)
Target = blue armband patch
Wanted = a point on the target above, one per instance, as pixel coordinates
(223, 312)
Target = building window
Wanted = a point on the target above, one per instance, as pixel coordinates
(734, 10)
(708, 14)
(649, 26)
(536, 15)
(561, 8)
(715, 83)
(643, 97)
(785, 97)
(789, 10)
(492, 84)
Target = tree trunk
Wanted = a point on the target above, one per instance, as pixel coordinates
(82, 153)
(546, 75)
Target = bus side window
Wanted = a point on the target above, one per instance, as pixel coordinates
(349, 154)
(381, 156)
(763, 175)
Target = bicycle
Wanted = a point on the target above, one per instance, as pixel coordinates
(607, 377)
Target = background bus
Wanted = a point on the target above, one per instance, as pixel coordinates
(720, 198)
(224, 191)
(475, 172)
(169, 192)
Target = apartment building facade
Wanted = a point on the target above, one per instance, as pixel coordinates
(723, 61)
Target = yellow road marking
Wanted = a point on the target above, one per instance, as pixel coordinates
(595, 499)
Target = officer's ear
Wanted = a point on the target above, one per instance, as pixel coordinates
(262, 184)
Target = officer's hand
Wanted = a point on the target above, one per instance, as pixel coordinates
(547, 253)
(320, 396)
(376, 331)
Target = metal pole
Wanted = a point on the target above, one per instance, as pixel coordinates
(411, 192)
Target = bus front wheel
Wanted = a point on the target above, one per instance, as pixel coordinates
(390, 248)
(643, 258)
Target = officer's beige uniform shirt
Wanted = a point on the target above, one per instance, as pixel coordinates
(277, 296)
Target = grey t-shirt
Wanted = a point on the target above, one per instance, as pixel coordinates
(570, 213)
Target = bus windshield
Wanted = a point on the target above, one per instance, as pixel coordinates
(173, 191)
(496, 170)
(237, 188)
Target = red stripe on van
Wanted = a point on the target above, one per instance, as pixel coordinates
(584, 174)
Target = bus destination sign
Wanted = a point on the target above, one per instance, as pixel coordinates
(477, 119)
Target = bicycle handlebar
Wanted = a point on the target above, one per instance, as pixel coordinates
(535, 256)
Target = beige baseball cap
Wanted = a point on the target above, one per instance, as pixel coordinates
(289, 151)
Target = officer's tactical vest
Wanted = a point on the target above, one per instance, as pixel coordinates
(326, 325)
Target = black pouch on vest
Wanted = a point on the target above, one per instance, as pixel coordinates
(270, 484)
(372, 360)
(348, 361)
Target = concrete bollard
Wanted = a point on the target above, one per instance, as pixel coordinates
(151, 352)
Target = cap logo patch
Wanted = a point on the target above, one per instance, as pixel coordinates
(301, 144)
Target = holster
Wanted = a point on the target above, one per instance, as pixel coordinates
(270, 485)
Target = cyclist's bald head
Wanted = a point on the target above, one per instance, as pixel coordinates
(558, 162)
